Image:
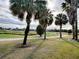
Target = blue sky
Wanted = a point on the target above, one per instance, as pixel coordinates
(8, 20)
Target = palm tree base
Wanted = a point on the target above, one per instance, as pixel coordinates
(23, 46)
(45, 39)
(72, 38)
(77, 40)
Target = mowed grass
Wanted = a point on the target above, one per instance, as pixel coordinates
(54, 48)
(2, 36)
(15, 34)
(20, 34)
(11, 34)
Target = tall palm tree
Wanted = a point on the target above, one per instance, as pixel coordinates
(20, 7)
(74, 6)
(71, 8)
(46, 20)
(67, 7)
(43, 15)
(60, 20)
(78, 3)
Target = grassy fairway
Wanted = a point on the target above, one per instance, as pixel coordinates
(54, 48)
(10, 34)
(20, 34)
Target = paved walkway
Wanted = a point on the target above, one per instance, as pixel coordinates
(10, 39)
(37, 37)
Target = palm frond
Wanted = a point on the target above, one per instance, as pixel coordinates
(61, 19)
(68, 1)
(21, 16)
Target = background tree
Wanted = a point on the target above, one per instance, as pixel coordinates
(39, 30)
(20, 7)
(60, 20)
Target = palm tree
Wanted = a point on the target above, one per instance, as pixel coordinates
(43, 15)
(71, 8)
(74, 6)
(20, 7)
(78, 3)
(60, 20)
(46, 20)
(67, 7)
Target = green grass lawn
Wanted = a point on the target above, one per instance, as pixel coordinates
(54, 48)
(52, 33)
(11, 34)
(20, 34)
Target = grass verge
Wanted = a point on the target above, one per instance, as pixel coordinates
(42, 49)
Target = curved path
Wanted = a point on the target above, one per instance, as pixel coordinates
(37, 37)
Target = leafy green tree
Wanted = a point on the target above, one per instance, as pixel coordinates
(20, 7)
(69, 32)
(39, 30)
(60, 20)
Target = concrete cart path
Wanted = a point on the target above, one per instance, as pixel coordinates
(37, 37)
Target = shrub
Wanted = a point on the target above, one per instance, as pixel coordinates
(39, 30)
(69, 31)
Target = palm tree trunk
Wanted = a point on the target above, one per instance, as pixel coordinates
(44, 33)
(26, 34)
(40, 35)
(73, 31)
(74, 6)
(60, 31)
(76, 32)
(76, 21)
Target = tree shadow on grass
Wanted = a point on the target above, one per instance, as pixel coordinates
(70, 42)
(18, 46)
(8, 53)
(35, 50)
(12, 50)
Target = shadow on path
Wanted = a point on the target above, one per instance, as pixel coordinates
(13, 49)
(32, 53)
(8, 53)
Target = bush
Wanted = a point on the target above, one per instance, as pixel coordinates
(39, 30)
(69, 31)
